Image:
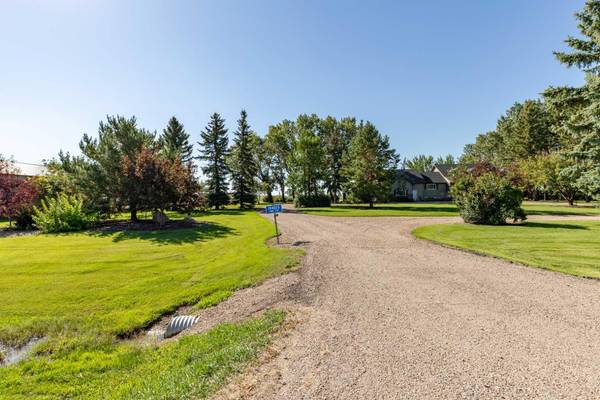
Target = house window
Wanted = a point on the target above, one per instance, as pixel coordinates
(431, 186)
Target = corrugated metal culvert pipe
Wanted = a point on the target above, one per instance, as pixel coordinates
(179, 323)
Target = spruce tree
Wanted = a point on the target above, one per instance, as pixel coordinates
(243, 164)
(583, 124)
(175, 141)
(214, 143)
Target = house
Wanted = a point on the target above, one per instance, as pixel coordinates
(27, 170)
(413, 185)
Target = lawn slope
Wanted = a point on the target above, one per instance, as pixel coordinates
(569, 247)
(83, 291)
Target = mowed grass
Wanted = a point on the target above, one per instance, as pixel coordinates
(440, 209)
(84, 291)
(569, 247)
(191, 367)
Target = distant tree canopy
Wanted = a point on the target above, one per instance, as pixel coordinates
(313, 156)
(370, 165)
(554, 142)
(425, 163)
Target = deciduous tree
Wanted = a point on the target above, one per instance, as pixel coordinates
(370, 165)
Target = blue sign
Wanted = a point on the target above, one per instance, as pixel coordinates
(274, 209)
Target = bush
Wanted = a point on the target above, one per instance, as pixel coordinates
(486, 195)
(24, 219)
(17, 198)
(313, 200)
(61, 214)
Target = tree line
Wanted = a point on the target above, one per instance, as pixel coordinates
(128, 168)
(553, 143)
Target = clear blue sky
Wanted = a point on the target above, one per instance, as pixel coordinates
(429, 74)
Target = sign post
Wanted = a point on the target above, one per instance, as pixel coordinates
(275, 209)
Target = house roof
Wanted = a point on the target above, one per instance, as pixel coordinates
(415, 177)
(26, 169)
(445, 169)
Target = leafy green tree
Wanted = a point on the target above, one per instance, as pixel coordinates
(348, 128)
(119, 140)
(264, 161)
(370, 165)
(421, 163)
(306, 160)
(214, 148)
(526, 131)
(175, 141)
(334, 146)
(447, 159)
(545, 172)
(279, 144)
(487, 148)
(243, 164)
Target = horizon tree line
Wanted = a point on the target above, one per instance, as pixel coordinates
(126, 167)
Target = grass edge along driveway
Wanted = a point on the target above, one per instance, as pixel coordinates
(570, 247)
(438, 210)
(82, 291)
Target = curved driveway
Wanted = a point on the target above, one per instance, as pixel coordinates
(384, 315)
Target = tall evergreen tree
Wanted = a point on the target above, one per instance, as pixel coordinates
(214, 147)
(586, 50)
(175, 141)
(583, 123)
(243, 164)
(370, 165)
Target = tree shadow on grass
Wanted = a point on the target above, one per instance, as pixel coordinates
(228, 211)
(553, 225)
(203, 232)
(576, 211)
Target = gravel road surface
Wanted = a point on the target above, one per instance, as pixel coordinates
(383, 315)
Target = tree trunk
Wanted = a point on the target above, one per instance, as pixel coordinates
(282, 190)
(371, 203)
(269, 197)
(133, 213)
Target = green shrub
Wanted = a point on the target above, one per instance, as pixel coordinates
(61, 214)
(313, 200)
(486, 195)
(24, 219)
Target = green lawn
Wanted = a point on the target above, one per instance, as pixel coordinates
(82, 291)
(192, 367)
(440, 210)
(569, 247)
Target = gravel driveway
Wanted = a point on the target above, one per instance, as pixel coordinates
(382, 315)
